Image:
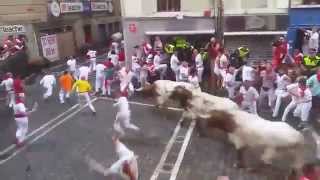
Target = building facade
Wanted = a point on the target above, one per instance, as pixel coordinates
(145, 19)
(19, 18)
(255, 23)
(57, 29)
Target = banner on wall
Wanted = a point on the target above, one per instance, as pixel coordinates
(71, 7)
(50, 47)
(12, 29)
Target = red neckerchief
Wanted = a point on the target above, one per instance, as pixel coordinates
(302, 90)
(127, 170)
(318, 76)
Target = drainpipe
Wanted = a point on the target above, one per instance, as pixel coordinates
(220, 20)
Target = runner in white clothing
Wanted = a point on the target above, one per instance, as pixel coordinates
(48, 81)
(174, 64)
(84, 72)
(72, 66)
(8, 84)
(269, 78)
(100, 79)
(199, 64)
(123, 117)
(250, 96)
(230, 83)
(161, 68)
(281, 91)
(21, 117)
(93, 58)
(301, 101)
(126, 166)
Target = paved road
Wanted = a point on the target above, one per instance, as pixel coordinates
(62, 135)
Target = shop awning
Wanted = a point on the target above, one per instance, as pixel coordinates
(254, 33)
(194, 32)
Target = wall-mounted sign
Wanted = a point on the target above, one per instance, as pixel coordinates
(50, 47)
(71, 7)
(132, 28)
(12, 29)
(99, 6)
(55, 8)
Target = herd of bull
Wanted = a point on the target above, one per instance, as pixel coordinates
(244, 130)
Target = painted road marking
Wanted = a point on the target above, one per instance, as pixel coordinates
(166, 152)
(44, 133)
(141, 104)
(183, 149)
(12, 146)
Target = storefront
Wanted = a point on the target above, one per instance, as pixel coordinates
(138, 29)
(77, 23)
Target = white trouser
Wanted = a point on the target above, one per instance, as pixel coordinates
(100, 84)
(122, 64)
(22, 128)
(291, 106)
(269, 94)
(162, 69)
(86, 76)
(143, 78)
(84, 97)
(10, 98)
(249, 106)
(48, 92)
(231, 91)
(176, 72)
(302, 111)
(63, 94)
(280, 94)
(200, 73)
(123, 122)
(107, 87)
(93, 64)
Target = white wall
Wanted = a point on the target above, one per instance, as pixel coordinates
(147, 8)
(238, 7)
(196, 5)
(131, 8)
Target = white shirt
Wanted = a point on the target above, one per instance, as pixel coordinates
(194, 81)
(249, 95)
(199, 61)
(268, 79)
(296, 91)
(114, 59)
(183, 72)
(92, 54)
(84, 71)
(72, 63)
(8, 84)
(125, 77)
(48, 80)
(19, 108)
(156, 60)
(283, 82)
(100, 70)
(174, 62)
(229, 80)
(247, 73)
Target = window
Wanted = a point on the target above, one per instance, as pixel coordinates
(169, 5)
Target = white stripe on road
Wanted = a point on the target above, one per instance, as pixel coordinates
(12, 146)
(166, 152)
(139, 103)
(44, 133)
(176, 167)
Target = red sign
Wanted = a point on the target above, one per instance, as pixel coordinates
(132, 28)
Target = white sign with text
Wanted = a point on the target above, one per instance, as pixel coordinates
(50, 47)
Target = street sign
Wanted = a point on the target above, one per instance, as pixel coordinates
(50, 47)
(71, 7)
(132, 28)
